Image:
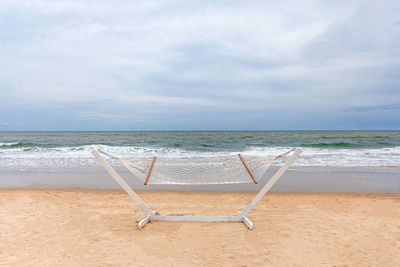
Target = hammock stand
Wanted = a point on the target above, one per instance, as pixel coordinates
(152, 216)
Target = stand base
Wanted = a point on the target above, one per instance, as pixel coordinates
(160, 218)
(152, 215)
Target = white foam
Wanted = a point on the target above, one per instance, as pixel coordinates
(382, 157)
(58, 157)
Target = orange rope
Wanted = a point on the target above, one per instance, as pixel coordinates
(247, 168)
(151, 168)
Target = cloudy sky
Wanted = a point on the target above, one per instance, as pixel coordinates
(198, 65)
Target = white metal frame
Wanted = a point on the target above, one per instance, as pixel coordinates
(153, 216)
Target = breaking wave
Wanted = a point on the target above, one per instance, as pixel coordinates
(337, 144)
(21, 156)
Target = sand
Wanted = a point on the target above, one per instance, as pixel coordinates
(45, 227)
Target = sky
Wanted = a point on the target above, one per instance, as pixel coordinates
(199, 65)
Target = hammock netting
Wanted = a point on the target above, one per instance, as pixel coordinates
(198, 171)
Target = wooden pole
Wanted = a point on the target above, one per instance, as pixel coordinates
(149, 173)
(247, 168)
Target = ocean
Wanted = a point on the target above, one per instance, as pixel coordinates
(57, 150)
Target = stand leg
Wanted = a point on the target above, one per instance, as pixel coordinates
(270, 183)
(146, 220)
(248, 223)
(122, 183)
(143, 222)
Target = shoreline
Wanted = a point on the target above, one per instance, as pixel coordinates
(215, 193)
(314, 179)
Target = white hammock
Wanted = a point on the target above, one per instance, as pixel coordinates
(233, 169)
(215, 170)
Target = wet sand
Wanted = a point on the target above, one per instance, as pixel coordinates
(69, 227)
(305, 179)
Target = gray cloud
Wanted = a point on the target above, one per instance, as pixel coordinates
(128, 60)
(373, 108)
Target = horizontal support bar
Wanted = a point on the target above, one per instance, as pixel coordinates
(197, 218)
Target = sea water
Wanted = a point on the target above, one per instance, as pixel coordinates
(57, 150)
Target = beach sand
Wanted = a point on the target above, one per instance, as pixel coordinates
(47, 227)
